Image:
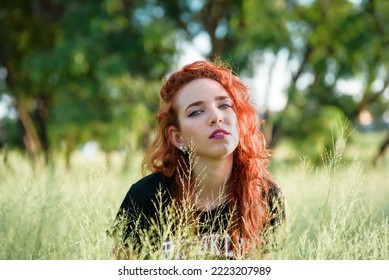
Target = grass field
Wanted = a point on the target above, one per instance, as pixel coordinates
(337, 210)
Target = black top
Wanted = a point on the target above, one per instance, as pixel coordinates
(150, 196)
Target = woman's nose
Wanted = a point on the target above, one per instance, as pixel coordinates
(215, 117)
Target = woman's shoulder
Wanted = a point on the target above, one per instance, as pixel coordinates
(145, 192)
(275, 203)
(151, 184)
(149, 180)
(274, 191)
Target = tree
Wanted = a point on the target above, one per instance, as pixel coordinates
(88, 69)
(22, 53)
(342, 41)
(74, 65)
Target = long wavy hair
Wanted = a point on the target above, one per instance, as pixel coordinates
(250, 180)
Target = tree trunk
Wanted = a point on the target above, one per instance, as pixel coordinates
(381, 150)
(41, 114)
(30, 136)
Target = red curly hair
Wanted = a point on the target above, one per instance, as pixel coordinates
(250, 179)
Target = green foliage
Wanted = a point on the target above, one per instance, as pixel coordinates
(312, 130)
(11, 134)
(77, 56)
(100, 83)
(90, 62)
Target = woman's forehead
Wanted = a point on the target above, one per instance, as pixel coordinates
(200, 88)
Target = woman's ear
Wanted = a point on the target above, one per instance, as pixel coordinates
(175, 137)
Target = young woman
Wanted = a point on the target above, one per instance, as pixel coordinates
(207, 148)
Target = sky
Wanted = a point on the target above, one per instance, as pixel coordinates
(5, 103)
(3, 110)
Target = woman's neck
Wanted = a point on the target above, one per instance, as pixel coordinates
(212, 176)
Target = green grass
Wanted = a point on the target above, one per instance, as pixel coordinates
(53, 213)
(338, 210)
(335, 214)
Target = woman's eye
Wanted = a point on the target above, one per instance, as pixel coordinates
(195, 113)
(225, 106)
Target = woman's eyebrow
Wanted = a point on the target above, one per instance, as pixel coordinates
(221, 97)
(198, 103)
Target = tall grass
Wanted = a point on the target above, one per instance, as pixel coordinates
(337, 210)
(54, 213)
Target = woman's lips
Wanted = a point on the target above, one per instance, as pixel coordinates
(218, 134)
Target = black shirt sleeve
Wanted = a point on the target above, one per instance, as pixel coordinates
(139, 208)
(276, 208)
(276, 216)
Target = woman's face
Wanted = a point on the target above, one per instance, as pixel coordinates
(207, 119)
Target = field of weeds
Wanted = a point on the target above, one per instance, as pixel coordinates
(335, 210)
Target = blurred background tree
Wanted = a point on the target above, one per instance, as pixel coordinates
(82, 71)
